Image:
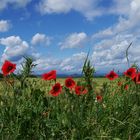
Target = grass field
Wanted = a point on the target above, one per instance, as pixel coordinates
(35, 115)
(85, 108)
(43, 85)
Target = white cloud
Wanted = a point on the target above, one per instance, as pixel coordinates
(67, 68)
(104, 33)
(120, 7)
(129, 18)
(15, 3)
(68, 65)
(40, 39)
(15, 48)
(46, 64)
(74, 40)
(73, 63)
(111, 53)
(4, 25)
(126, 7)
(88, 8)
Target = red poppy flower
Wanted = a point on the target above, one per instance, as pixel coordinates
(112, 75)
(50, 75)
(56, 89)
(138, 78)
(131, 72)
(134, 79)
(69, 83)
(8, 67)
(80, 90)
(126, 87)
(99, 98)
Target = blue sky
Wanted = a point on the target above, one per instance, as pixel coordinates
(59, 33)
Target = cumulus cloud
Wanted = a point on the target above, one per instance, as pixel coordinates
(112, 53)
(4, 25)
(15, 48)
(68, 65)
(88, 8)
(103, 33)
(73, 63)
(129, 18)
(120, 7)
(74, 40)
(46, 64)
(40, 39)
(15, 3)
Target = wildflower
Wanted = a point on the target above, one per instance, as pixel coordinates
(131, 72)
(8, 67)
(50, 75)
(69, 83)
(56, 89)
(80, 90)
(138, 78)
(126, 87)
(99, 98)
(112, 75)
(134, 79)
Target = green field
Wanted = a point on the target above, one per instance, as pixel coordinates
(38, 82)
(32, 113)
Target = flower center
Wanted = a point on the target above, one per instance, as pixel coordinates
(56, 88)
(129, 73)
(111, 75)
(69, 83)
(10, 68)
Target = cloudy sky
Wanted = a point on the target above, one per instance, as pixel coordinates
(59, 33)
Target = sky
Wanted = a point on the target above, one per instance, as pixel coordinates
(58, 34)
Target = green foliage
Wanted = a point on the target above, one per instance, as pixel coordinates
(26, 71)
(31, 113)
(136, 66)
(27, 67)
(88, 72)
(36, 115)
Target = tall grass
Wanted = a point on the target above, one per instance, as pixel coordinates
(29, 112)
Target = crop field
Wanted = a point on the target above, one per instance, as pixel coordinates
(97, 82)
(86, 108)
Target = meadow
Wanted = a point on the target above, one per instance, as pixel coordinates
(86, 108)
(97, 81)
